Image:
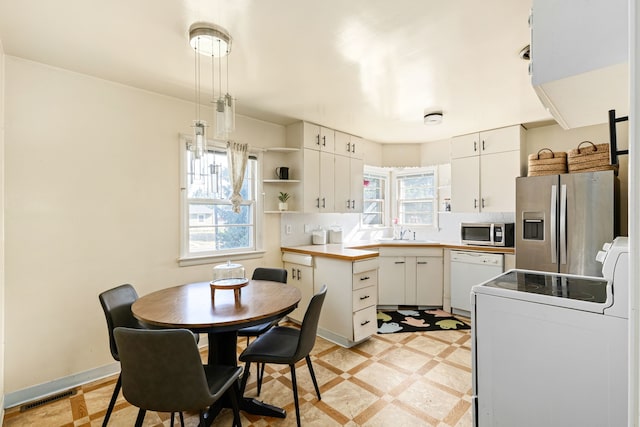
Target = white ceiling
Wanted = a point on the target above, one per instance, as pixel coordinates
(366, 67)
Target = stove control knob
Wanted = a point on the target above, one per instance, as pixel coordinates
(601, 256)
(606, 246)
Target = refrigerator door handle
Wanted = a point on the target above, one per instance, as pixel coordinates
(552, 225)
(563, 224)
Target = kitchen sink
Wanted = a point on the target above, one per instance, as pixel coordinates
(391, 241)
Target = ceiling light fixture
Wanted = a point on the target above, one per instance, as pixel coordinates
(213, 41)
(434, 118)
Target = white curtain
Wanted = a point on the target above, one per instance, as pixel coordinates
(237, 155)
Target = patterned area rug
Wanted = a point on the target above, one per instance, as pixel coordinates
(390, 322)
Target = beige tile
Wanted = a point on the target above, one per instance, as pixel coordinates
(424, 397)
(396, 417)
(349, 399)
(450, 376)
(405, 358)
(428, 345)
(343, 359)
(461, 356)
(381, 376)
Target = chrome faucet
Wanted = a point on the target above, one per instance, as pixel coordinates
(403, 232)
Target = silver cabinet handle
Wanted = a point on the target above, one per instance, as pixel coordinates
(353, 204)
(365, 278)
(318, 202)
(353, 148)
(365, 322)
(318, 139)
(475, 203)
(483, 145)
(299, 274)
(348, 147)
(324, 141)
(399, 262)
(323, 203)
(482, 204)
(422, 262)
(348, 204)
(475, 146)
(364, 297)
(293, 273)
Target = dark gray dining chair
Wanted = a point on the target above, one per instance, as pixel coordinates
(116, 304)
(162, 371)
(284, 345)
(274, 275)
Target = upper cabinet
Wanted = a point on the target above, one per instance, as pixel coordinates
(317, 137)
(332, 168)
(348, 145)
(580, 60)
(484, 168)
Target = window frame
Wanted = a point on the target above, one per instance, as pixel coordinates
(403, 172)
(186, 257)
(385, 174)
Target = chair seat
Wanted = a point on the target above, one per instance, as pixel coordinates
(278, 345)
(255, 330)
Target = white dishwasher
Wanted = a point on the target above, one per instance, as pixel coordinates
(467, 270)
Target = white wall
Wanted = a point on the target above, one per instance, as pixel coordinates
(435, 153)
(398, 155)
(2, 242)
(92, 201)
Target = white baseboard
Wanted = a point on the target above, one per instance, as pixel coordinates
(45, 389)
(40, 391)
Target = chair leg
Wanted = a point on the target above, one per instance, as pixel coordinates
(234, 393)
(203, 423)
(260, 372)
(245, 377)
(112, 403)
(181, 420)
(313, 376)
(173, 414)
(294, 385)
(140, 419)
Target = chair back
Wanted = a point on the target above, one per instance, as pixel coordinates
(273, 274)
(116, 304)
(162, 370)
(309, 327)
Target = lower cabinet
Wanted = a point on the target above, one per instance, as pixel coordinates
(411, 276)
(299, 274)
(349, 311)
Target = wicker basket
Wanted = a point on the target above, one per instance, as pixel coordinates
(589, 159)
(547, 162)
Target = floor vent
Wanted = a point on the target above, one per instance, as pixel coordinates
(48, 399)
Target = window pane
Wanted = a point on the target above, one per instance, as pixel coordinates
(217, 227)
(373, 200)
(416, 198)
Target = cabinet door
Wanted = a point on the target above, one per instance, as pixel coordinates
(465, 145)
(342, 143)
(429, 281)
(300, 276)
(327, 179)
(357, 175)
(391, 279)
(311, 181)
(327, 140)
(342, 184)
(498, 173)
(500, 140)
(311, 136)
(465, 184)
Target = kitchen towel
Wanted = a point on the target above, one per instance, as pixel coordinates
(390, 322)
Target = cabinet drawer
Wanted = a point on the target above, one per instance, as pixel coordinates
(364, 323)
(365, 265)
(364, 279)
(364, 297)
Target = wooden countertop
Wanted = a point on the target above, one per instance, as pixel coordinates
(337, 251)
(353, 251)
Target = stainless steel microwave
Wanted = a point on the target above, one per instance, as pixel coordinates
(487, 233)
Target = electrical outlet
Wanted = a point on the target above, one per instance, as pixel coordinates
(287, 229)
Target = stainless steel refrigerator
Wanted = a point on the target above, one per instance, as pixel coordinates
(562, 221)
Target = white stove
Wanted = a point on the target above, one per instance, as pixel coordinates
(551, 349)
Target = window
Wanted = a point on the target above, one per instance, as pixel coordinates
(416, 197)
(210, 227)
(375, 193)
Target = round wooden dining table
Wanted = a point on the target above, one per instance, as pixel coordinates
(191, 306)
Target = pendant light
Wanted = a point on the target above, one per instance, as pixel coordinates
(214, 41)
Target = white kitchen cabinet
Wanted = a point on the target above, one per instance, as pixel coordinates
(484, 167)
(348, 145)
(411, 276)
(349, 312)
(313, 136)
(580, 59)
(318, 181)
(299, 274)
(348, 184)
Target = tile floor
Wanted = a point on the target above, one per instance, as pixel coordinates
(402, 379)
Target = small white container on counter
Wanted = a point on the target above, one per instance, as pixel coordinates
(319, 237)
(335, 235)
